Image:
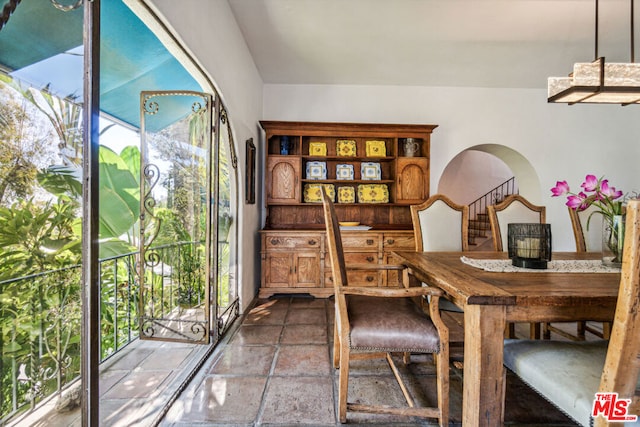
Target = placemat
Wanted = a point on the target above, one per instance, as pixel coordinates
(557, 266)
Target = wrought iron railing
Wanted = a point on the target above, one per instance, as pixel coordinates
(40, 326)
(478, 219)
(492, 197)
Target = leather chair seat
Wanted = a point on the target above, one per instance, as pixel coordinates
(375, 323)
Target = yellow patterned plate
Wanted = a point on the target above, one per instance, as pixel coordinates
(346, 195)
(349, 223)
(312, 192)
(373, 193)
(346, 147)
(317, 149)
(376, 148)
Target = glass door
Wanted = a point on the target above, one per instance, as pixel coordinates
(175, 216)
(227, 307)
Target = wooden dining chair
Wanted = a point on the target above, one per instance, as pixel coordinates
(439, 224)
(376, 322)
(513, 209)
(569, 373)
(587, 230)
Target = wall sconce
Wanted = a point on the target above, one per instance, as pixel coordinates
(529, 245)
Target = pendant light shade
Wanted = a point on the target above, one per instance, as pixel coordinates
(599, 82)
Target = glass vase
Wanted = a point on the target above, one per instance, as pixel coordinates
(612, 240)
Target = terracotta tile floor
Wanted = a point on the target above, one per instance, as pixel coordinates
(275, 370)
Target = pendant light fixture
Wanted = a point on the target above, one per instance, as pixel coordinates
(598, 82)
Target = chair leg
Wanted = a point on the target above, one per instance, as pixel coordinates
(336, 347)
(510, 330)
(606, 330)
(343, 384)
(534, 331)
(580, 329)
(442, 380)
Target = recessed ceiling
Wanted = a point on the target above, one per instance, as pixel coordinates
(477, 43)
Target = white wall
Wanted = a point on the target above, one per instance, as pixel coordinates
(558, 141)
(209, 31)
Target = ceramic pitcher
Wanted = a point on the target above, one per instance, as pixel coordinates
(411, 147)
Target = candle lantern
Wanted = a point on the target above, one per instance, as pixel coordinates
(529, 245)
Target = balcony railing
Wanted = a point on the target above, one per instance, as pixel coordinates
(40, 326)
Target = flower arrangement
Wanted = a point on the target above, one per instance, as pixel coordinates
(609, 203)
(595, 192)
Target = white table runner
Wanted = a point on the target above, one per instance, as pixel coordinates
(557, 266)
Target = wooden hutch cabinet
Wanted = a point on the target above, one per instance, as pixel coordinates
(373, 179)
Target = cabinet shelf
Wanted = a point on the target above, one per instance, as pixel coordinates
(348, 181)
(348, 159)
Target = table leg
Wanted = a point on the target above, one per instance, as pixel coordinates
(483, 383)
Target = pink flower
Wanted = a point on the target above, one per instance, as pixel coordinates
(590, 183)
(560, 189)
(596, 192)
(578, 201)
(609, 192)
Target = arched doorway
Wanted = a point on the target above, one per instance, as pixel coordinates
(490, 170)
(480, 168)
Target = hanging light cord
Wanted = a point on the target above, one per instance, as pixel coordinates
(7, 10)
(632, 38)
(595, 57)
(632, 41)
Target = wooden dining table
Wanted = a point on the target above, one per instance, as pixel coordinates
(490, 300)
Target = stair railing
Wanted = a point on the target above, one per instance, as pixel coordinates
(492, 197)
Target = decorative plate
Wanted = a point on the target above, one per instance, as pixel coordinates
(373, 193)
(344, 171)
(316, 170)
(346, 147)
(346, 195)
(370, 171)
(376, 148)
(348, 223)
(312, 192)
(317, 149)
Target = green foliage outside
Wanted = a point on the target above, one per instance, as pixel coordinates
(40, 244)
(41, 250)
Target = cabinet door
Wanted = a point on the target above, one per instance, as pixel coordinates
(306, 270)
(277, 268)
(412, 180)
(283, 179)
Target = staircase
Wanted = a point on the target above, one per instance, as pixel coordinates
(479, 227)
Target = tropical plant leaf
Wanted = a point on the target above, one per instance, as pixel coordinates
(61, 180)
(119, 195)
(115, 247)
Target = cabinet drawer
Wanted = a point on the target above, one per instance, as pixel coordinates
(292, 242)
(398, 241)
(360, 258)
(358, 278)
(360, 242)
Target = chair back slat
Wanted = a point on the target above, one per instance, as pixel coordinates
(588, 239)
(513, 209)
(334, 243)
(439, 224)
